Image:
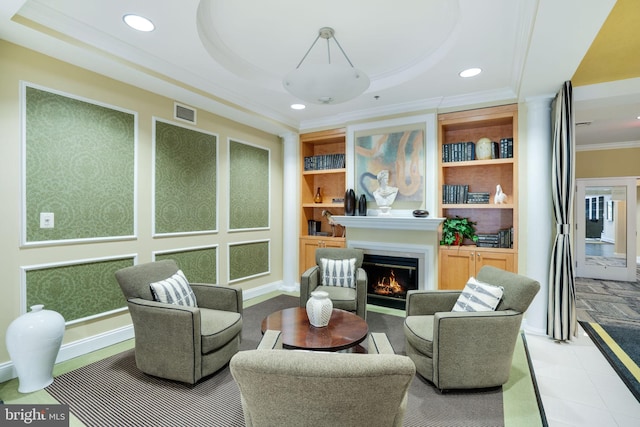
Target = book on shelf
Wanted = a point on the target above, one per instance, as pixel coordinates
(495, 150)
(477, 198)
(323, 162)
(502, 239)
(458, 152)
(506, 148)
(454, 194)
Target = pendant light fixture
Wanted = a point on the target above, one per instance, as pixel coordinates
(328, 83)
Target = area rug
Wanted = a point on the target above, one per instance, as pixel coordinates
(621, 347)
(113, 391)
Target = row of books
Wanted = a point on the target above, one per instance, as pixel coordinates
(466, 151)
(458, 151)
(458, 194)
(502, 239)
(324, 161)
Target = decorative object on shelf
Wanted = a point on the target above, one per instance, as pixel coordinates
(362, 205)
(33, 341)
(385, 195)
(350, 202)
(419, 213)
(330, 83)
(318, 197)
(327, 214)
(500, 197)
(319, 308)
(484, 147)
(455, 230)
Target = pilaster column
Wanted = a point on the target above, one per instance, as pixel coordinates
(537, 206)
(290, 210)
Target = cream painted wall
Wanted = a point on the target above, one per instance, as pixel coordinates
(608, 163)
(18, 64)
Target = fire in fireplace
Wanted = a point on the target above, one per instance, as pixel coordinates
(389, 279)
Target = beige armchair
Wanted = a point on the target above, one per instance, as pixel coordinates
(462, 350)
(179, 342)
(345, 298)
(305, 388)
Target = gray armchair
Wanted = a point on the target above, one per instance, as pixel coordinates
(305, 388)
(178, 342)
(348, 299)
(462, 350)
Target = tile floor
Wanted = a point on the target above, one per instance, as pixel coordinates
(578, 386)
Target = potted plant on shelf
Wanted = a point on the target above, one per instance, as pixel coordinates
(455, 230)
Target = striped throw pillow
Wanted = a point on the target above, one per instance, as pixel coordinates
(338, 272)
(478, 296)
(174, 290)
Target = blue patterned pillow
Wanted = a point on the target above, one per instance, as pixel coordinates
(478, 296)
(174, 290)
(338, 272)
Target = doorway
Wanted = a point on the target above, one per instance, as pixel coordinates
(605, 217)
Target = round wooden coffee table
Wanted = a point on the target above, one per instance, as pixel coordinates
(345, 330)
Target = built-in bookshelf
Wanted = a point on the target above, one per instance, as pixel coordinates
(478, 152)
(323, 170)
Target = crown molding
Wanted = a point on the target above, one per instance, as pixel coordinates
(608, 146)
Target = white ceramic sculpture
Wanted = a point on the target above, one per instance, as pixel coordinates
(385, 195)
(33, 341)
(319, 308)
(500, 197)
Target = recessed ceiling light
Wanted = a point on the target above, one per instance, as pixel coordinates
(298, 106)
(470, 72)
(138, 22)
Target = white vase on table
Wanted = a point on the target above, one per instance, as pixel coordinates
(319, 308)
(33, 341)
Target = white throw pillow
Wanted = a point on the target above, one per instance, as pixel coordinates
(338, 272)
(478, 296)
(174, 290)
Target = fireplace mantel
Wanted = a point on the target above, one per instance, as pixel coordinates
(389, 222)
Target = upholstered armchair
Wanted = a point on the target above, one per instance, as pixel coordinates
(343, 297)
(181, 342)
(463, 350)
(306, 388)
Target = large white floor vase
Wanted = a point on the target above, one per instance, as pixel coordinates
(33, 342)
(319, 308)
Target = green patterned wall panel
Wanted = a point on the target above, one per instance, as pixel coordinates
(77, 291)
(80, 165)
(199, 265)
(248, 259)
(185, 180)
(248, 186)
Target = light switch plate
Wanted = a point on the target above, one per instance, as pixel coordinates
(46, 219)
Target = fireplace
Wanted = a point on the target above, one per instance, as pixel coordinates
(389, 278)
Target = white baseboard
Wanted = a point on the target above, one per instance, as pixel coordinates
(529, 329)
(262, 290)
(96, 342)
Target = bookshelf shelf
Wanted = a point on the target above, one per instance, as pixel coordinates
(324, 172)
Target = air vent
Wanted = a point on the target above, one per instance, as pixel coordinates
(182, 112)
